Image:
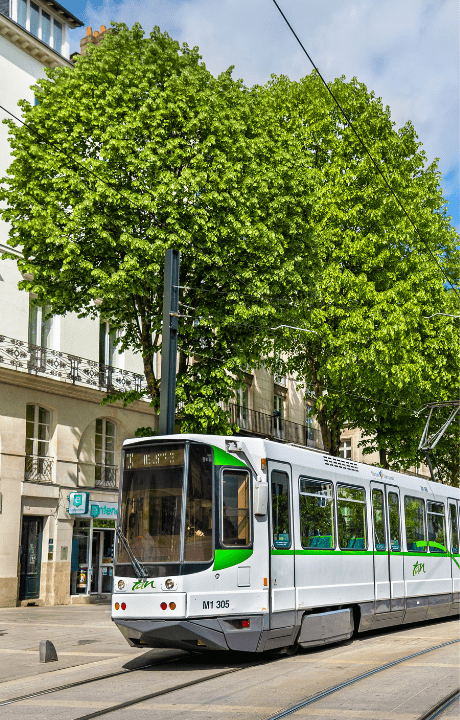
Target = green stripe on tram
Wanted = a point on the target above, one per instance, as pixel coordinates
(413, 553)
(233, 556)
(221, 457)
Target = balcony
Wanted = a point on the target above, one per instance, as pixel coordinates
(38, 469)
(106, 476)
(252, 422)
(37, 360)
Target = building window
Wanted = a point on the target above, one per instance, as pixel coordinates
(107, 337)
(38, 429)
(242, 402)
(40, 23)
(278, 416)
(310, 424)
(106, 471)
(345, 449)
(40, 325)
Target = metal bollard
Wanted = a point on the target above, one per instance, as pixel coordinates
(47, 651)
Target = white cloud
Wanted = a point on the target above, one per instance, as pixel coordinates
(404, 50)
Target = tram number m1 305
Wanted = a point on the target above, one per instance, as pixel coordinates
(220, 604)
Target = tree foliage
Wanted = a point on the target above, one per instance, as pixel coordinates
(137, 149)
(280, 219)
(374, 357)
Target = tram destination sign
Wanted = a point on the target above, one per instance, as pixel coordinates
(81, 505)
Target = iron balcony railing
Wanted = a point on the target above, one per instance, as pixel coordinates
(22, 356)
(274, 427)
(106, 476)
(38, 469)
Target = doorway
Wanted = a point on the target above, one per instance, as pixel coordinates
(30, 557)
(102, 560)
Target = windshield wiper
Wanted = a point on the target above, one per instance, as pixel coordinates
(140, 571)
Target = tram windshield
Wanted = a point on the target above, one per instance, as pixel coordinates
(153, 504)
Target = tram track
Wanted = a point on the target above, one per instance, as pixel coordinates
(143, 698)
(87, 681)
(336, 688)
(437, 710)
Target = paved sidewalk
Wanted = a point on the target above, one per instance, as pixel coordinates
(82, 635)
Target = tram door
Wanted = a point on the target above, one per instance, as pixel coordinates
(381, 554)
(396, 557)
(454, 539)
(282, 578)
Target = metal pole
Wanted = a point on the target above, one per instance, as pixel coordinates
(169, 342)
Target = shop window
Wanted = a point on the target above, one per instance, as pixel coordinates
(79, 569)
(106, 470)
(414, 511)
(38, 464)
(345, 449)
(351, 515)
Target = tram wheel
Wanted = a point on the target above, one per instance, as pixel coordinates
(287, 651)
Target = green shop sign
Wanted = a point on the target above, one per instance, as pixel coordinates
(81, 505)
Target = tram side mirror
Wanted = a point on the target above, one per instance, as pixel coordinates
(260, 498)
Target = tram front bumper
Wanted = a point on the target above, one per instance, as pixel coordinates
(199, 634)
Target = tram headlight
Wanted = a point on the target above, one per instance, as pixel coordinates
(169, 584)
(121, 584)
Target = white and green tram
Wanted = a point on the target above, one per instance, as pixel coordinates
(247, 544)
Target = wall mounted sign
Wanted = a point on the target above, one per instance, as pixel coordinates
(81, 505)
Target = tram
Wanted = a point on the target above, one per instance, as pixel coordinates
(240, 543)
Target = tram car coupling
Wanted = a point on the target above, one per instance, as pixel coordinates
(240, 543)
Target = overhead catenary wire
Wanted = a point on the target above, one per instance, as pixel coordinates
(368, 153)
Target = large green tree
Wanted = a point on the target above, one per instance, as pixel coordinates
(374, 357)
(137, 149)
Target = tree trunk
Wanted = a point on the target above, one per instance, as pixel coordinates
(147, 356)
(383, 461)
(330, 432)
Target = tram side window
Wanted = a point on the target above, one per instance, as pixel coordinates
(280, 510)
(414, 512)
(235, 508)
(316, 514)
(379, 520)
(393, 514)
(453, 528)
(198, 518)
(436, 527)
(351, 509)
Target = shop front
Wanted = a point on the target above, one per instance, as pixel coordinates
(93, 539)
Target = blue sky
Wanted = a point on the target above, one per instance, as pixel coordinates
(406, 51)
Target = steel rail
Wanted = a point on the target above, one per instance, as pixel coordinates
(167, 691)
(442, 705)
(77, 683)
(309, 701)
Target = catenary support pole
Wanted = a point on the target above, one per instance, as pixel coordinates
(169, 342)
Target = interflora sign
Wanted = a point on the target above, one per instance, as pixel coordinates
(81, 505)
